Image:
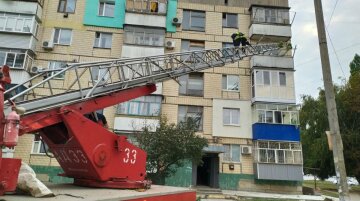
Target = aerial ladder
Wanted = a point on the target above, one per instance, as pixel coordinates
(86, 151)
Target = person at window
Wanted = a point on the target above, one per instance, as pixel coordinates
(239, 38)
(100, 118)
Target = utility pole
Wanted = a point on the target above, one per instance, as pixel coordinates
(331, 106)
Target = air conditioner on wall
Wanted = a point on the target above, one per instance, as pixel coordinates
(48, 45)
(36, 69)
(170, 44)
(246, 150)
(176, 21)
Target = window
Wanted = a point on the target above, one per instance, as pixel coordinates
(194, 112)
(62, 36)
(67, 6)
(17, 22)
(103, 40)
(54, 65)
(282, 78)
(106, 8)
(227, 53)
(191, 84)
(230, 82)
(271, 15)
(279, 114)
(187, 45)
(231, 116)
(232, 153)
(38, 146)
(142, 106)
(193, 20)
(144, 36)
(97, 73)
(229, 20)
(273, 78)
(278, 152)
(12, 58)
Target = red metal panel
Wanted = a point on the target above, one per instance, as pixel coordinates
(94, 156)
(9, 172)
(36, 121)
(187, 196)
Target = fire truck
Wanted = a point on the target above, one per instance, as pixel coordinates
(87, 152)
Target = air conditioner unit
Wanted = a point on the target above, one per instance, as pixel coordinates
(170, 44)
(36, 69)
(246, 150)
(48, 45)
(176, 21)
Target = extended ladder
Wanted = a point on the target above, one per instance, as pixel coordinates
(120, 74)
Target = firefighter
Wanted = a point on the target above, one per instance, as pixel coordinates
(101, 119)
(239, 38)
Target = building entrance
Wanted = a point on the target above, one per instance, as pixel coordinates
(208, 172)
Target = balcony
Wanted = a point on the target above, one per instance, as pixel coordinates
(152, 7)
(272, 62)
(276, 132)
(278, 161)
(22, 7)
(270, 23)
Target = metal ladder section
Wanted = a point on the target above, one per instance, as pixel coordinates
(119, 74)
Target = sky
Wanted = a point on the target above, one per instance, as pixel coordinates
(344, 31)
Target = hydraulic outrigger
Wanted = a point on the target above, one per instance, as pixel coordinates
(86, 151)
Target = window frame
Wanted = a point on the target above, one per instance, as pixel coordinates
(132, 36)
(39, 146)
(262, 149)
(64, 9)
(16, 55)
(186, 80)
(232, 111)
(227, 18)
(229, 158)
(227, 83)
(190, 26)
(262, 114)
(157, 101)
(60, 30)
(25, 20)
(99, 41)
(104, 8)
(51, 66)
(187, 114)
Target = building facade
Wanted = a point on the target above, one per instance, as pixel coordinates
(247, 109)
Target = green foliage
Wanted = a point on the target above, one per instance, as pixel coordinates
(170, 145)
(355, 65)
(314, 123)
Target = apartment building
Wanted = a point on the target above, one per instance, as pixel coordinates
(247, 109)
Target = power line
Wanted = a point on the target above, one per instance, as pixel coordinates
(332, 13)
(317, 58)
(336, 55)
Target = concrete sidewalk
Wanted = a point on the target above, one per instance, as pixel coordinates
(69, 192)
(272, 195)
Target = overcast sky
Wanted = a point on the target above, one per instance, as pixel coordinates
(344, 31)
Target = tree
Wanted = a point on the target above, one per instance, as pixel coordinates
(355, 64)
(314, 123)
(169, 146)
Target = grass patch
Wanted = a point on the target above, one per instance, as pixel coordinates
(328, 188)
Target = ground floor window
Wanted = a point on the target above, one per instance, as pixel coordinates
(39, 146)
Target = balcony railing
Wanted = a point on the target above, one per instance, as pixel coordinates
(147, 6)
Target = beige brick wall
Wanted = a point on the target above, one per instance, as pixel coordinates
(82, 50)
